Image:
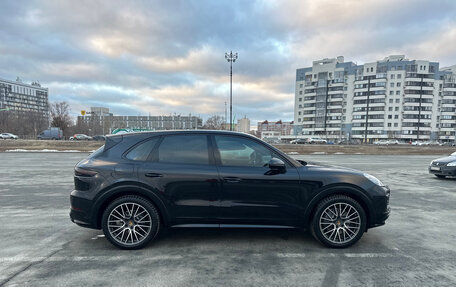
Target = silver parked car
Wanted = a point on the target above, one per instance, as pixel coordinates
(8, 136)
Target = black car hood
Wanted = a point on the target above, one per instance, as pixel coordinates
(447, 159)
(327, 167)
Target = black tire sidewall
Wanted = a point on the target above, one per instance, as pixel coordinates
(155, 218)
(315, 224)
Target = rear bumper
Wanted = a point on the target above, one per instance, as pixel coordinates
(81, 212)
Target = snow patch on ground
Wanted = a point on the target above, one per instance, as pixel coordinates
(319, 152)
(40, 150)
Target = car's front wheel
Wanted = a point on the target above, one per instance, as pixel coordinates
(130, 222)
(440, 176)
(339, 221)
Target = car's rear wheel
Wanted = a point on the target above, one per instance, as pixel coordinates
(130, 222)
(440, 176)
(339, 221)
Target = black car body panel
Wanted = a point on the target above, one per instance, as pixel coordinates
(215, 194)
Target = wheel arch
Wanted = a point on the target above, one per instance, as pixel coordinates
(128, 188)
(348, 190)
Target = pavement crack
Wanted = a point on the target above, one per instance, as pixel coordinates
(25, 268)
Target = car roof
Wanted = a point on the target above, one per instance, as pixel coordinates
(172, 132)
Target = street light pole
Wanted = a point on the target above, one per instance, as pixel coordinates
(231, 58)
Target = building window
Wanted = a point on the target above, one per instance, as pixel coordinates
(395, 124)
(392, 85)
(398, 92)
(390, 116)
(389, 124)
(392, 76)
(398, 101)
(398, 84)
(391, 101)
(300, 85)
(399, 76)
(390, 109)
(300, 92)
(391, 93)
(300, 99)
(396, 109)
(396, 117)
(372, 69)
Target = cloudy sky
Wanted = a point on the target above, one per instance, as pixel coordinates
(166, 57)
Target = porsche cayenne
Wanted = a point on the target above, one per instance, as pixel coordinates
(138, 184)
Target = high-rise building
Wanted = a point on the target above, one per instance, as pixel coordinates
(243, 125)
(21, 97)
(391, 98)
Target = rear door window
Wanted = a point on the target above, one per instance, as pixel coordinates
(141, 151)
(184, 149)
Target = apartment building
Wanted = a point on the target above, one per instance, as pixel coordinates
(22, 97)
(391, 98)
(102, 120)
(323, 92)
(274, 129)
(243, 125)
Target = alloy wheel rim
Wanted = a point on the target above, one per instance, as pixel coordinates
(129, 223)
(340, 223)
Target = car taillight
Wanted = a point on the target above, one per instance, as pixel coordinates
(84, 172)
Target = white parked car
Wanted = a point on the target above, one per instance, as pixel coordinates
(8, 136)
(393, 142)
(316, 141)
(382, 142)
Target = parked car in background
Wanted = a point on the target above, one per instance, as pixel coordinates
(348, 142)
(316, 141)
(298, 141)
(8, 136)
(81, 137)
(449, 144)
(99, 138)
(393, 142)
(140, 183)
(381, 142)
(445, 166)
(52, 133)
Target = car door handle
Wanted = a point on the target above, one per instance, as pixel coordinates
(153, 174)
(232, 179)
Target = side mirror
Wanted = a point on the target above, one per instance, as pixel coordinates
(276, 164)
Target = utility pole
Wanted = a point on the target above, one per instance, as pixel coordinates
(225, 117)
(231, 58)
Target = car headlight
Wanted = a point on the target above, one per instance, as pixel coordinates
(431, 162)
(453, 163)
(372, 178)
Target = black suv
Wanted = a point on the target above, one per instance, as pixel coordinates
(137, 184)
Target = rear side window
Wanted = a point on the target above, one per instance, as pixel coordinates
(141, 152)
(184, 149)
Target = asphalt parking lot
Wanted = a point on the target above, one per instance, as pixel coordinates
(41, 247)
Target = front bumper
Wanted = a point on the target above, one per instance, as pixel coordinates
(442, 170)
(381, 206)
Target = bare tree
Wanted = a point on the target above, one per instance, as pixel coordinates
(214, 123)
(60, 115)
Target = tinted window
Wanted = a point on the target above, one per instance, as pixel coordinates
(142, 151)
(184, 149)
(237, 151)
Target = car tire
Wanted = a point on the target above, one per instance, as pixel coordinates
(130, 231)
(339, 221)
(439, 175)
